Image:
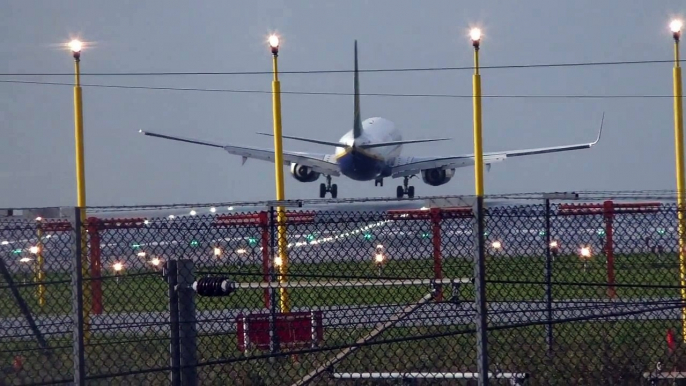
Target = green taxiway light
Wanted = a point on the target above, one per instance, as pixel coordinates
(194, 243)
(252, 241)
(16, 251)
(136, 246)
(661, 231)
(367, 236)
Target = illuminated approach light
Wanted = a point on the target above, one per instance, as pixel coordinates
(273, 41)
(75, 45)
(475, 34)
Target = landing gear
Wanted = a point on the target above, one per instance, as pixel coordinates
(405, 189)
(378, 182)
(328, 187)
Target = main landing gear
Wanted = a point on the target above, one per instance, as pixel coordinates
(378, 182)
(405, 189)
(328, 187)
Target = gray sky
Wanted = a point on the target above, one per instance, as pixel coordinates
(123, 167)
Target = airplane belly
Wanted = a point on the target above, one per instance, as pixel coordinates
(359, 167)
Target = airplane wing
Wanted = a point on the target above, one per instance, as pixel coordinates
(322, 163)
(407, 166)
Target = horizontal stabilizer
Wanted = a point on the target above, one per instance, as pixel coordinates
(395, 143)
(328, 143)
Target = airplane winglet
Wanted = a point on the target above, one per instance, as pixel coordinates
(600, 132)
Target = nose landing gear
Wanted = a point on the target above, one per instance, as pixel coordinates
(405, 189)
(328, 188)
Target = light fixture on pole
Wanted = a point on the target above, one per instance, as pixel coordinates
(675, 26)
(481, 319)
(278, 168)
(76, 47)
(475, 35)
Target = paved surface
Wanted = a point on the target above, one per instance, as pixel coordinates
(362, 317)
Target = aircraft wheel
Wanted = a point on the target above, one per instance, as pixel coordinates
(400, 192)
(334, 191)
(410, 192)
(322, 190)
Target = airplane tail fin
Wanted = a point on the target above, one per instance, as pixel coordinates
(357, 124)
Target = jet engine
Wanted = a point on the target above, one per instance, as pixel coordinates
(303, 173)
(437, 176)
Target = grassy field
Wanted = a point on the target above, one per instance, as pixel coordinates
(509, 278)
(588, 353)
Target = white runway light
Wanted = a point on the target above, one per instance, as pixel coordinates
(75, 45)
(274, 41)
(475, 34)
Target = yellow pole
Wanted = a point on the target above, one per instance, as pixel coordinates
(40, 274)
(280, 191)
(679, 147)
(81, 191)
(478, 151)
(480, 256)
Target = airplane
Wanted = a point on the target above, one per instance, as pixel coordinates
(372, 151)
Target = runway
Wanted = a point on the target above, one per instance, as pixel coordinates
(460, 315)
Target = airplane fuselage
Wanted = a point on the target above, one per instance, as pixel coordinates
(362, 164)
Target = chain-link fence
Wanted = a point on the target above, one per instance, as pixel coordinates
(567, 293)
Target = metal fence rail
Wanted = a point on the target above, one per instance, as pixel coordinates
(583, 293)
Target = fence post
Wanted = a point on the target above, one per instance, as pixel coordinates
(481, 317)
(40, 266)
(96, 265)
(174, 352)
(436, 241)
(608, 212)
(273, 337)
(548, 279)
(77, 299)
(264, 242)
(187, 332)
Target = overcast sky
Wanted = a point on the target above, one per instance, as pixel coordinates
(124, 167)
